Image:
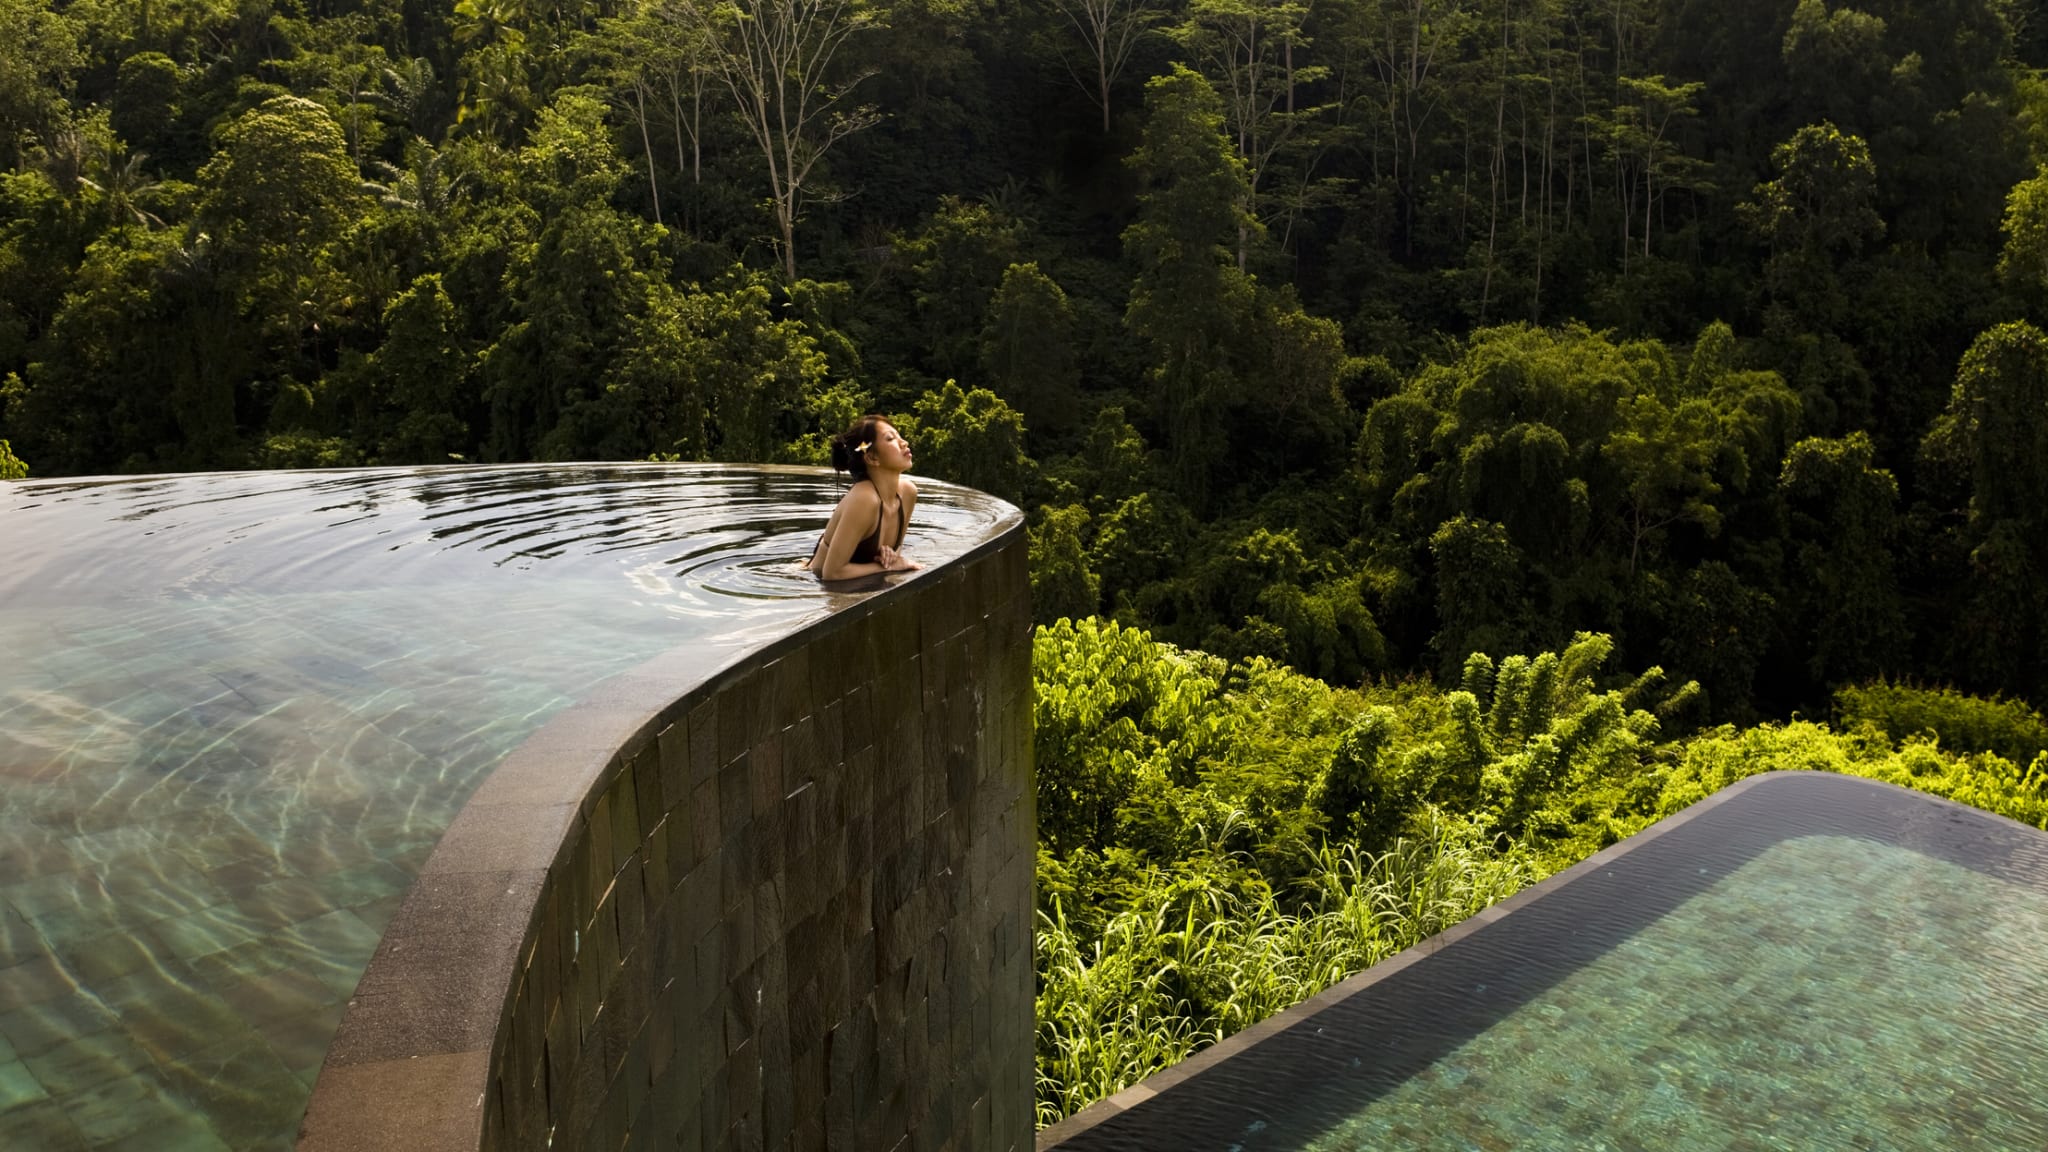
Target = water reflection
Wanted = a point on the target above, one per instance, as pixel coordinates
(236, 712)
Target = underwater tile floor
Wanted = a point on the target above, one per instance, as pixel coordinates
(1832, 993)
(237, 710)
(210, 852)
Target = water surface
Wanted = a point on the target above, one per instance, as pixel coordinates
(1812, 962)
(237, 711)
(1832, 993)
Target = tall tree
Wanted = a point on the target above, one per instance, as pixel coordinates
(1027, 347)
(38, 56)
(1816, 216)
(1190, 302)
(1254, 52)
(1845, 517)
(780, 61)
(1995, 432)
(1110, 30)
(275, 197)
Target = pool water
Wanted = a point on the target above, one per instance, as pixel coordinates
(237, 711)
(1804, 961)
(1832, 993)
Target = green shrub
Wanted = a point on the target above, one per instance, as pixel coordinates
(1219, 841)
(1194, 959)
(1961, 723)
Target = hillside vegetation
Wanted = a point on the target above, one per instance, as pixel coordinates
(1220, 841)
(1454, 433)
(1360, 335)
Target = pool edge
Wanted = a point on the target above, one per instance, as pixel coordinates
(412, 1064)
(1110, 1107)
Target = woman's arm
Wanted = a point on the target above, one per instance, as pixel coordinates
(890, 557)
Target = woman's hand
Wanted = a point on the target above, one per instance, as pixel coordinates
(893, 561)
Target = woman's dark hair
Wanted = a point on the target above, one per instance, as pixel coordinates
(847, 453)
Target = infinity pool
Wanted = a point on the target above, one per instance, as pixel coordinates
(237, 711)
(1815, 962)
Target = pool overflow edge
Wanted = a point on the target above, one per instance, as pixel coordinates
(842, 816)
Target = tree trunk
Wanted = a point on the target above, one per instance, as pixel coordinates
(647, 145)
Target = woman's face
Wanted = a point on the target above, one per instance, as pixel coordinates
(890, 450)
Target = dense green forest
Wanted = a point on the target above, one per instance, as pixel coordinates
(1329, 346)
(1360, 335)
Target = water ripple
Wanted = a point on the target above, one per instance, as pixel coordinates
(237, 711)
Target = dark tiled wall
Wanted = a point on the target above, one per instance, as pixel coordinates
(795, 911)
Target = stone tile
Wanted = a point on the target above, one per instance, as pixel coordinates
(426, 1104)
(280, 995)
(624, 802)
(775, 862)
(19, 941)
(658, 873)
(794, 687)
(42, 1127)
(19, 1086)
(629, 901)
(188, 1134)
(672, 755)
(648, 789)
(117, 954)
(735, 796)
(119, 1108)
(736, 719)
(597, 848)
(502, 838)
(301, 1041)
(247, 1091)
(437, 981)
(45, 1024)
(706, 821)
(377, 914)
(33, 982)
(86, 1062)
(705, 741)
(209, 930)
(765, 776)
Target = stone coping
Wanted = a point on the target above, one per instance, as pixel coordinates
(409, 1065)
(1102, 1111)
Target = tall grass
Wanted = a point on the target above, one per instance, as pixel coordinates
(1190, 960)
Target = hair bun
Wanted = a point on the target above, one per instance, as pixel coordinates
(848, 447)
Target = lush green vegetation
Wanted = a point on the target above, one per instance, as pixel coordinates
(1360, 335)
(1222, 840)
(1329, 344)
(1950, 718)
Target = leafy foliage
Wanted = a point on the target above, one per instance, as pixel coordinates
(1220, 841)
(1366, 334)
(1337, 353)
(1959, 722)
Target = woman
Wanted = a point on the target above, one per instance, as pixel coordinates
(867, 528)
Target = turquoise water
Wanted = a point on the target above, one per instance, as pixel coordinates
(237, 711)
(1831, 993)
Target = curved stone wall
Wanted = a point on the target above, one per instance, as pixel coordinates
(774, 901)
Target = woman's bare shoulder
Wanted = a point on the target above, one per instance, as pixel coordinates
(909, 488)
(863, 496)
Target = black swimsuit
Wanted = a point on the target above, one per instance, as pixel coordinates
(868, 549)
